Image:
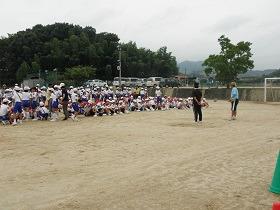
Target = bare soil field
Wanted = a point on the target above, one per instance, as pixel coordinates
(151, 160)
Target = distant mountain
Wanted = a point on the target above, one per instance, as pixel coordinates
(257, 73)
(195, 68)
(191, 67)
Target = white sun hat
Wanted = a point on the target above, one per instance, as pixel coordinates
(26, 88)
(17, 88)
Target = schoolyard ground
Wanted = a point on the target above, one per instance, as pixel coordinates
(150, 160)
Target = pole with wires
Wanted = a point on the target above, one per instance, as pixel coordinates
(119, 67)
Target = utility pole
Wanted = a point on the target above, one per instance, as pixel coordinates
(120, 66)
(185, 76)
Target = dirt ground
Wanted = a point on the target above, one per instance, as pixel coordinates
(155, 160)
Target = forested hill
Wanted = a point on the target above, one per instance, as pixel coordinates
(63, 46)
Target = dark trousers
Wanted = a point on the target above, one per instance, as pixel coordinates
(197, 113)
(65, 109)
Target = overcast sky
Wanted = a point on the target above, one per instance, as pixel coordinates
(189, 28)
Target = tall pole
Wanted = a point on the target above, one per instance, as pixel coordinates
(185, 76)
(265, 89)
(120, 66)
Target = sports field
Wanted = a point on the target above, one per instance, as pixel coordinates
(151, 160)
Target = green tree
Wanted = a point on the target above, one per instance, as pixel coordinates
(232, 60)
(35, 67)
(63, 46)
(80, 74)
(108, 72)
(22, 72)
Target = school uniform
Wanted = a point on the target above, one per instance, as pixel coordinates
(4, 112)
(26, 99)
(54, 101)
(158, 95)
(74, 99)
(43, 113)
(142, 94)
(17, 97)
(34, 101)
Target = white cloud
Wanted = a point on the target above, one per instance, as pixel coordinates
(189, 28)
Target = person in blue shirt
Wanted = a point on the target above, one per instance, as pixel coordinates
(234, 99)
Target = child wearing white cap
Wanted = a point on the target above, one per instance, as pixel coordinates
(4, 118)
(17, 97)
(26, 97)
(158, 95)
(8, 93)
(142, 93)
(54, 105)
(34, 102)
(42, 111)
(75, 105)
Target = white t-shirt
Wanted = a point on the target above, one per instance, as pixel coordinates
(74, 97)
(158, 93)
(152, 102)
(53, 96)
(26, 96)
(3, 110)
(43, 110)
(57, 93)
(34, 96)
(44, 93)
(17, 96)
(8, 95)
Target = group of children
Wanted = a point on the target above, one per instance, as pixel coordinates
(42, 103)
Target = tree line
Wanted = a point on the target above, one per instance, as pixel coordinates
(77, 53)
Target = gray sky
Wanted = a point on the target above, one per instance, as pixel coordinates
(189, 28)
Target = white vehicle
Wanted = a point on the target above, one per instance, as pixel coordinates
(95, 82)
(123, 81)
(131, 81)
(153, 81)
(141, 82)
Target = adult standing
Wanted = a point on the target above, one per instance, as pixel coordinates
(197, 96)
(65, 101)
(234, 99)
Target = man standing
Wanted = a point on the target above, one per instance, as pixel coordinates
(65, 100)
(234, 99)
(197, 95)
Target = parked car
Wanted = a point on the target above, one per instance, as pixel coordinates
(123, 81)
(169, 82)
(141, 82)
(95, 82)
(131, 81)
(153, 81)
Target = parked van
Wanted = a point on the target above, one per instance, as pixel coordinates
(123, 81)
(141, 82)
(153, 81)
(95, 82)
(131, 81)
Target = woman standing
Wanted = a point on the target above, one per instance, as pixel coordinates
(234, 99)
